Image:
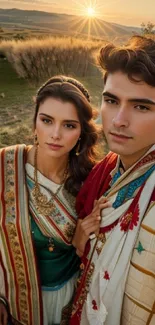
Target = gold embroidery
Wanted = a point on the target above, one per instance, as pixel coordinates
(19, 271)
(100, 243)
(127, 218)
(82, 266)
(12, 234)
(42, 204)
(85, 289)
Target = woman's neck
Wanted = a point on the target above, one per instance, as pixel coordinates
(51, 167)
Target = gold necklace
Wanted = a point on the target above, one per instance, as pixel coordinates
(42, 204)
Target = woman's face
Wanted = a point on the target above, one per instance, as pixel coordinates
(58, 127)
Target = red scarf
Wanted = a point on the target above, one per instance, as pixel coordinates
(98, 183)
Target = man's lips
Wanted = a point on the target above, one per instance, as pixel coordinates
(119, 135)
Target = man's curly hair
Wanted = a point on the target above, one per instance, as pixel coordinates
(136, 59)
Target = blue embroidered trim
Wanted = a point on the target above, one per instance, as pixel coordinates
(127, 191)
(115, 177)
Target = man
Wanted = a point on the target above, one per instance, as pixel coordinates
(117, 282)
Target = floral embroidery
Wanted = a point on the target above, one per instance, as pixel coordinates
(124, 225)
(130, 220)
(106, 275)
(94, 305)
(135, 218)
(69, 230)
(58, 218)
(10, 190)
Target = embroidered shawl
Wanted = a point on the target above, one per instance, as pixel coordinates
(106, 261)
(19, 278)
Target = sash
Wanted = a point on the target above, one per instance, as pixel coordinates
(19, 281)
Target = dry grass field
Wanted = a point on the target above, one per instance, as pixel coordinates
(17, 91)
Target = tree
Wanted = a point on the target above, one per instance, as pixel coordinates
(147, 28)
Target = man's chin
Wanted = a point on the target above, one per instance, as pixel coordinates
(118, 151)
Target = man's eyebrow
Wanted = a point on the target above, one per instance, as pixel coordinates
(51, 117)
(108, 94)
(141, 100)
(131, 100)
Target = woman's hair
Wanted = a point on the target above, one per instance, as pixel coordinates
(136, 59)
(70, 90)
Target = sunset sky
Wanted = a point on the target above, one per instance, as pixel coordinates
(125, 12)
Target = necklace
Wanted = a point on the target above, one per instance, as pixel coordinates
(42, 204)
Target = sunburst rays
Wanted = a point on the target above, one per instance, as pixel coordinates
(90, 16)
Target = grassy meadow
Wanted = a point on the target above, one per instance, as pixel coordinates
(26, 64)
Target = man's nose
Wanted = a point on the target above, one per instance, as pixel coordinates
(121, 119)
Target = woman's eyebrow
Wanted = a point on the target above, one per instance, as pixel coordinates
(51, 117)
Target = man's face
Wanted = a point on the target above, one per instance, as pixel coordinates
(128, 117)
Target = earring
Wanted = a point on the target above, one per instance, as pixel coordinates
(36, 140)
(78, 148)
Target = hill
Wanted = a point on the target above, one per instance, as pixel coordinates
(61, 24)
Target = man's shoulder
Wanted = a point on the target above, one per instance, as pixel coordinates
(110, 158)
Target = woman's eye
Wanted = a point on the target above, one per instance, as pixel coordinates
(142, 108)
(69, 126)
(46, 121)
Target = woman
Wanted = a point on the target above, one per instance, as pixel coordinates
(38, 264)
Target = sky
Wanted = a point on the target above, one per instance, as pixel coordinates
(124, 12)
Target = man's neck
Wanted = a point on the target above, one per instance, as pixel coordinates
(129, 160)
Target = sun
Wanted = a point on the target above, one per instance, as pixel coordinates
(90, 12)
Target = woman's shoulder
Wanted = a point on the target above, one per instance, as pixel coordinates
(10, 153)
(12, 149)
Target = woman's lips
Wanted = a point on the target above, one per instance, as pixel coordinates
(54, 146)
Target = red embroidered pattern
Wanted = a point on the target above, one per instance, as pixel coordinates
(94, 305)
(106, 275)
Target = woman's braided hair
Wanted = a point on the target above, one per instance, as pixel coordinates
(64, 79)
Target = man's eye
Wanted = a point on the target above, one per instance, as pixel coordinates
(110, 101)
(142, 108)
